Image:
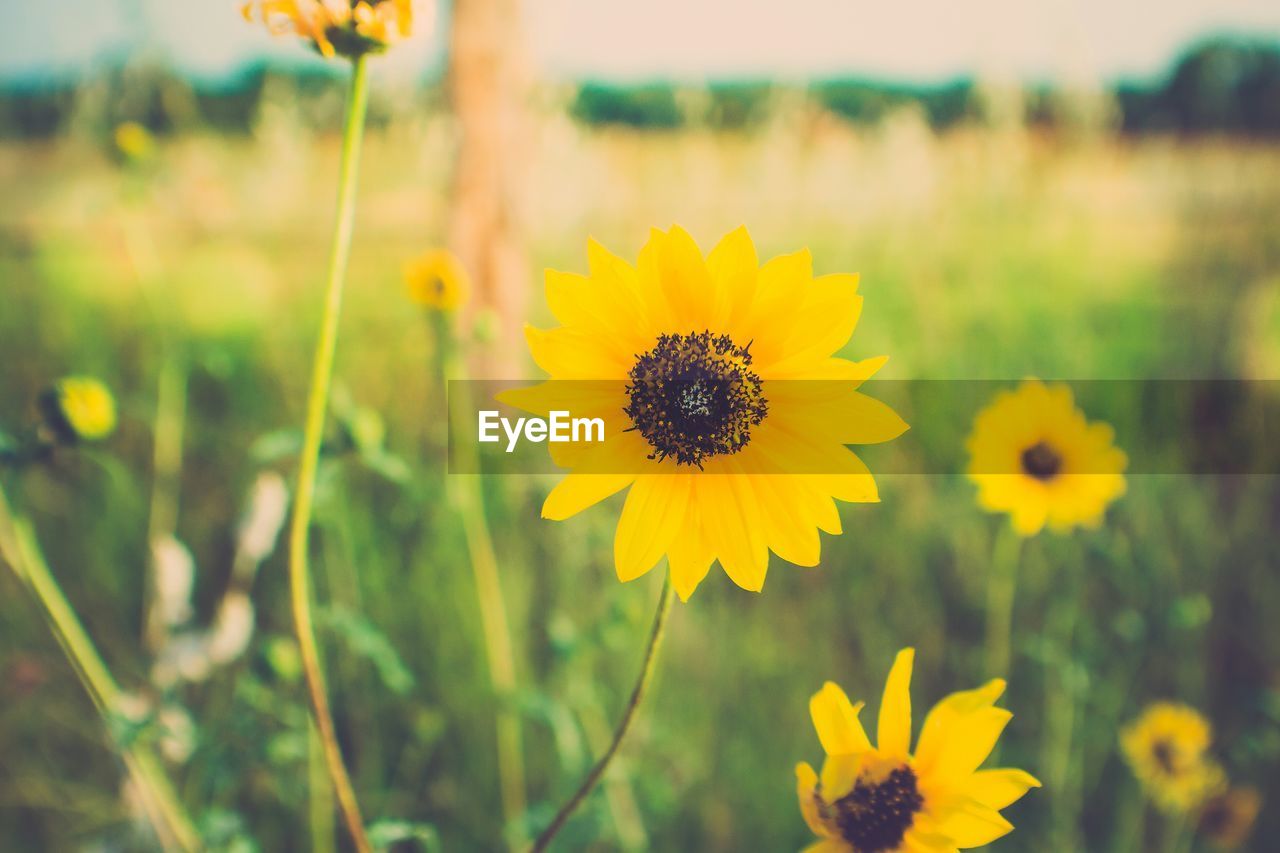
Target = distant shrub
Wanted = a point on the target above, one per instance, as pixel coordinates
(737, 105)
(867, 102)
(651, 105)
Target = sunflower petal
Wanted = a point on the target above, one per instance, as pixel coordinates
(806, 790)
(1002, 787)
(971, 824)
(836, 720)
(651, 518)
(576, 492)
(937, 729)
(970, 741)
(893, 733)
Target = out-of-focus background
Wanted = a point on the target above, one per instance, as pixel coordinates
(1071, 190)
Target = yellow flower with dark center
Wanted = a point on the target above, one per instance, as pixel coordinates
(1033, 455)
(1168, 749)
(79, 408)
(726, 409)
(885, 799)
(437, 280)
(1227, 819)
(347, 28)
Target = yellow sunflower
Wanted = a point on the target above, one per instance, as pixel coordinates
(79, 408)
(343, 27)
(1033, 455)
(436, 279)
(727, 411)
(883, 798)
(1227, 819)
(1168, 749)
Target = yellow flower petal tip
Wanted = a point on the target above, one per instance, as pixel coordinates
(1034, 456)
(885, 798)
(704, 464)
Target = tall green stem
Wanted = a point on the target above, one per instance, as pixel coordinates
(317, 406)
(19, 549)
(647, 668)
(1002, 583)
(469, 499)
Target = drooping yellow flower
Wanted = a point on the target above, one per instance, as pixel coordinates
(1227, 819)
(1168, 749)
(79, 408)
(134, 141)
(437, 280)
(1033, 455)
(727, 411)
(886, 799)
(336, 27)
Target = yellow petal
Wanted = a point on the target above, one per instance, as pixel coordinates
(836, 720)
(937, 729)
(690, 556)
(733, 265)
(576, 492)
(806, 788)
(893, 733)
(972, 824)
(830, 845)
(839, 773)
(731, 522)
(970, 741)
(1000, 788)
(651, 518)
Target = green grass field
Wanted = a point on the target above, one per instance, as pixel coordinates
(983, 254)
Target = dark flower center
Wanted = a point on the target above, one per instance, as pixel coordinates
(1041, 461)
(694, 396)
(1165, 755)
(876, 817)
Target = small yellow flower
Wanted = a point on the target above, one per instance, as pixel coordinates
(1033, 455)
(348, 28)
(79, 408)
(1227, 819)
(727, 404)
(134, 141)
(437, 280)
(1168, 749)
(883, 798)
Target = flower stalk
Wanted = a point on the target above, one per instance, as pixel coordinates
(647, 668)
(317, 406)
(18, 547)
(468, 499)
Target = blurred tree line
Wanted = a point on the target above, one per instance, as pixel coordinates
(1223, 85)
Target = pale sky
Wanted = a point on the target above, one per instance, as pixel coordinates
(689, 39)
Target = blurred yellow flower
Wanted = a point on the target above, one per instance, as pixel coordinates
(1167, 748)
(726, 409)
(883, 798)
(437, 280)
(348, 28)
(1227, 819)
(134, 141)
(1033, 455)
(79, 408)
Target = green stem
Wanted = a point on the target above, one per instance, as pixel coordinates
(1002, 582)
(20, 550)
(469, 499)
(317, 406)
(647, 668)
